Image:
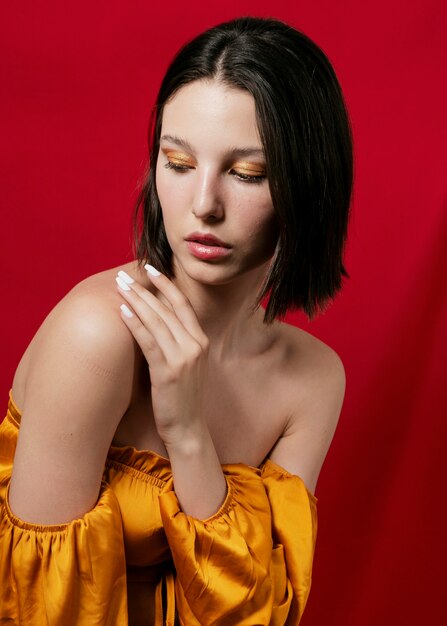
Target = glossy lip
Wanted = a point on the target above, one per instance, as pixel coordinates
(207, 239)
(202, 251)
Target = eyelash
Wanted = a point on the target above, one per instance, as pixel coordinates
(243, 177)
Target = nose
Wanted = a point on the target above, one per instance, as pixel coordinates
(208, 201)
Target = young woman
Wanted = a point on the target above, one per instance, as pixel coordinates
(164, 434)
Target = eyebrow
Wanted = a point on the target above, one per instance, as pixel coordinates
(232, 151)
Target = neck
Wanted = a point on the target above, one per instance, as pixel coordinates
(223, 312)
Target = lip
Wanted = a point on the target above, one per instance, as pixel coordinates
(207, 239)
(206, 252)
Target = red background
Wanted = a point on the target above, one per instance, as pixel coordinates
(77, 84)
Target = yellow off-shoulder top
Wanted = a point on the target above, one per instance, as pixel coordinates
(248, 564)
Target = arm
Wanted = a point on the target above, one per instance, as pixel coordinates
(61, 537)
(77, 390)
(314, 417)
(199, 481)
(176, 350)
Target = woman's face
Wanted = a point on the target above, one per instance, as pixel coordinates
(214, 189)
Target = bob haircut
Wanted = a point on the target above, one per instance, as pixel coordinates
(306, 134)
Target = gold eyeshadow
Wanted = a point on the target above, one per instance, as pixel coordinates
(250, 167)
(178, 156)
(246, 166)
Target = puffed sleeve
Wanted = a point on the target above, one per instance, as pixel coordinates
(251, 562)
(294, 528)
(71, 574)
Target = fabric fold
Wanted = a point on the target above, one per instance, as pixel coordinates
(238, 566)
(68, 574)
(294, 531)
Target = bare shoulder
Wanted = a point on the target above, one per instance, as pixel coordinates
(316, 387)
(313, 364)
(76, 379)
(87, 326)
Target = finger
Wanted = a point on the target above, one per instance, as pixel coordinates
(178, 331)
(149, 288)
(180, 303)
(147, 342)
(149, 320)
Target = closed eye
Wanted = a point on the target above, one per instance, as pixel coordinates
(243, 177)
(177, 168)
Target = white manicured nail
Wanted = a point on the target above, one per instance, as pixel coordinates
(122, 284)
(127, 312)
(127, 279)
(151, 270)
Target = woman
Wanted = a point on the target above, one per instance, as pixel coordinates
(171, 431)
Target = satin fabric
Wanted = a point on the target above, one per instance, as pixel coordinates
(248, 564)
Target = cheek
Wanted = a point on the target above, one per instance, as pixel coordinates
(259, 220)
(168, 193)
(257, 238)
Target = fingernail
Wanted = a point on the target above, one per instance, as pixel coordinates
(127, 279)
(151, 270)
(122, 284)
(127, 312)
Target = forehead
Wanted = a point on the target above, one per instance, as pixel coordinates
(206, 111)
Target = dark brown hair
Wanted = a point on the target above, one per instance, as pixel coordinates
(307, 139)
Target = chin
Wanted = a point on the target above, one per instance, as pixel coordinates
(211, 276)
(224, 275)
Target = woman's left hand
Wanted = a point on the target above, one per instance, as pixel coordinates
(176, 349)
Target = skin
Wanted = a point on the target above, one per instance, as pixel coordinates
(192, 333)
